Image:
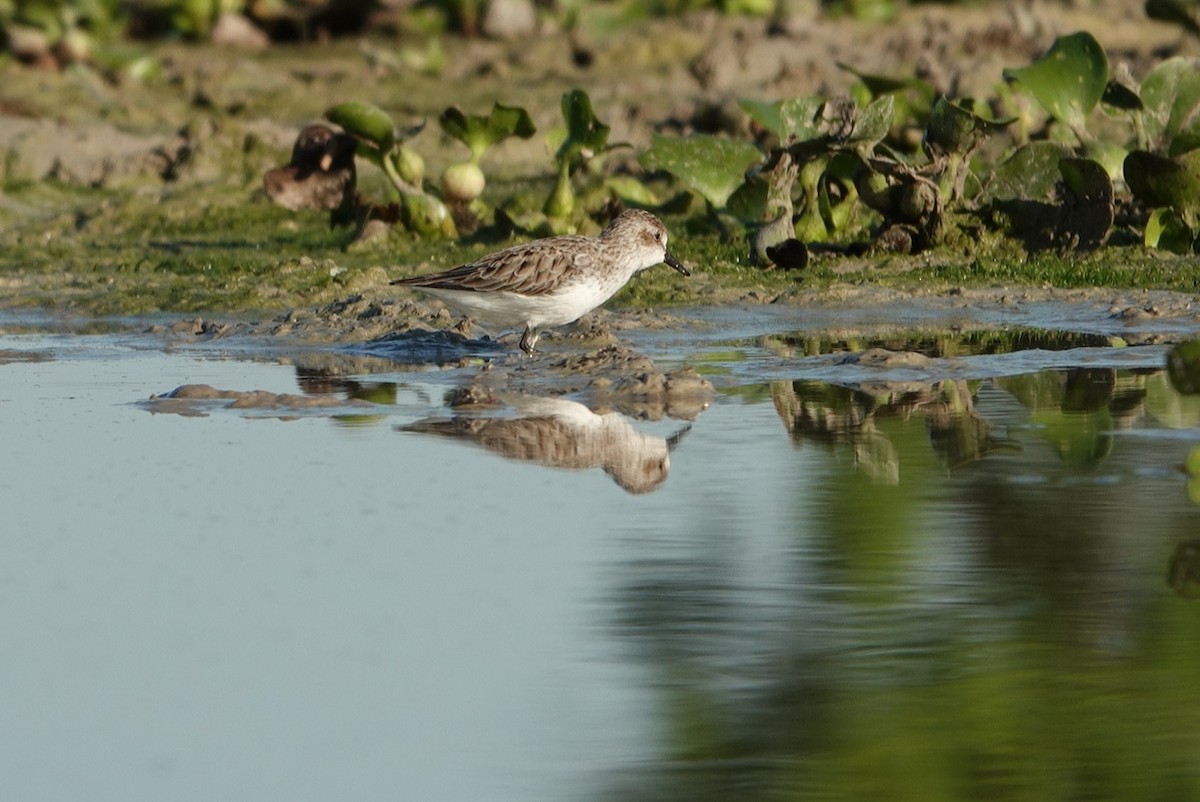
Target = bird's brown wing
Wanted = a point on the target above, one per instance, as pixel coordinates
(535, 268)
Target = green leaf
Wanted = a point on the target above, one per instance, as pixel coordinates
(1162, 182)
(1086, 178)
(44, 16)
(754, 8)
(1028, 174)
(878, 84)
(712, 166)
(584, 132)
(954, 129)
(877, 11)
(768, 115)
(1109, 154)
(749, 201)
(873, 124)
(1165, 230)
(365, 121)
(1171, 94)
(1069, 80)
(794, 120)
(479, 133)
(802, 117)
(1120, 96)
(631, 190)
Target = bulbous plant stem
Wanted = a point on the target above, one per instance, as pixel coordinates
(423, 212)
(388, 165)
(561, 202)
(463, 183)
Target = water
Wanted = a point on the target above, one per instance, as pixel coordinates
(971, 580)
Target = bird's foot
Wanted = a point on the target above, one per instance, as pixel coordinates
(529, 340)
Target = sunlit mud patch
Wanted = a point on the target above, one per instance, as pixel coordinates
(612, 377)
(559, 433)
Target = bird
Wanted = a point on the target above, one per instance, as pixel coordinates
(560, 433)
(553, 281)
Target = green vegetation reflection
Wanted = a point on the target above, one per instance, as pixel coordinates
(881, 426)
(959, 603)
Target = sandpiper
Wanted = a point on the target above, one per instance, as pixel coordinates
(559, 433)
(553, 281)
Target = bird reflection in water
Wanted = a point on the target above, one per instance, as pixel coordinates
(559, 433)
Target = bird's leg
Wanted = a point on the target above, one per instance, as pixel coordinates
(529, 339)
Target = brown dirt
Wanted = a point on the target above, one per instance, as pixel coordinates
(680, 73)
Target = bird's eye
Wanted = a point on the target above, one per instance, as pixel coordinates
(658, 235)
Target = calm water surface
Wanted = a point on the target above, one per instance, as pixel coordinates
(967, 578)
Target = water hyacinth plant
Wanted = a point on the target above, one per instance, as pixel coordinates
(1037, 164)
(1164, 171)
(586, 137)
(464, 182)
(380, 143)
(853, 177)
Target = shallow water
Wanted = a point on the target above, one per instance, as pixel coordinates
(960, 578)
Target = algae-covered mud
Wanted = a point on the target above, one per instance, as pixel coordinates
(137, 185)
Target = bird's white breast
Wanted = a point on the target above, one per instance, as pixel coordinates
(507, 309)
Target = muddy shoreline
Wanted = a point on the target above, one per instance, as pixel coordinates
(136, 207)
(597, 360)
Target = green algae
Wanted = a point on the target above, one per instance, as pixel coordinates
(188, 249)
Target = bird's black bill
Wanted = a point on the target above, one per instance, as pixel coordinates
(675, 263)
(674, 439)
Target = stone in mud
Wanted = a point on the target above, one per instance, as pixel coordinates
(654, 395)
(887, 360)
(320, 174)
(509, 19)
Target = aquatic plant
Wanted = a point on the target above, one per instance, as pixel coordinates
(839, 169)
(586, 137)
(1164, 172)
(891, 166)
(381, 144)
(1068, 81)
(713, 167)
(463, 182)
